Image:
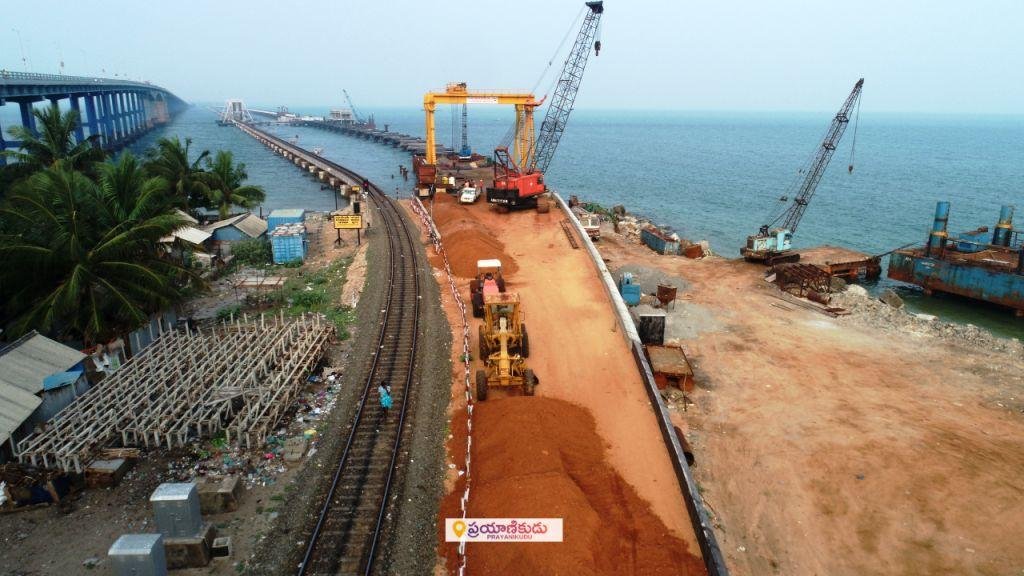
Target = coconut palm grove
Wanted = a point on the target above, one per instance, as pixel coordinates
(80, 228)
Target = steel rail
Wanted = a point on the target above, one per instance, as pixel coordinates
(403, 276)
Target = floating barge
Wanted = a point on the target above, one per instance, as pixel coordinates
(843, 263)
(975, 264)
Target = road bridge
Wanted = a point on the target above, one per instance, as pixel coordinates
(117, 111)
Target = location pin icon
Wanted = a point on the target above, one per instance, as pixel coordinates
(459, 527)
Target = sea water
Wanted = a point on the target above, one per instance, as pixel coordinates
(709, 176)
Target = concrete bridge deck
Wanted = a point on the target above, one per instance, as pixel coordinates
(117, 111)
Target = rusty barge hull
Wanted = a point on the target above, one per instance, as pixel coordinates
(975, 277)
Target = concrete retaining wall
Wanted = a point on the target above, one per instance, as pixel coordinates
(713, 559)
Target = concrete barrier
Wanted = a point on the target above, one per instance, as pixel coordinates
(714, 561)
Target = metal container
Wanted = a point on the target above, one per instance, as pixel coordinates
(651, 327)
(138, 555)
(666, 294)
(694, 251)
(285, 216)
(176, 507)
(288, 243)
(629, 290)
(659, 242)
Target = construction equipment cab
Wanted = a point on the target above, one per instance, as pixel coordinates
(488, 280)
(591, 225)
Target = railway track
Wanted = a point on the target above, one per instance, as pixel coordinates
(347, 537)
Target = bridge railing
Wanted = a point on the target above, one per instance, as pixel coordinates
(36, 76)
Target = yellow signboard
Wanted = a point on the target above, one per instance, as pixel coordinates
(348, 222)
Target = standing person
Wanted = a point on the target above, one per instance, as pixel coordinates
(384, 391)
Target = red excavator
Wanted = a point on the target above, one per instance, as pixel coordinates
(519, 186)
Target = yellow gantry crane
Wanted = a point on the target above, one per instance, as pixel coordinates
(458, 93)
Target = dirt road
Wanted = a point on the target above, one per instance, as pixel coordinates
(824, 447)
(580, 359)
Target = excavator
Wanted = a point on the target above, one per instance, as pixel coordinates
(517, 185)
(773, 242)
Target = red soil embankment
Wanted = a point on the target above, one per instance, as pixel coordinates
(541, 457)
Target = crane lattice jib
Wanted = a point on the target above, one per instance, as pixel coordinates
(820, 163)
(565, 91)
(352, 107)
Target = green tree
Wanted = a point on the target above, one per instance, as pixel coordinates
(226, 183)
(55, 142)
(170, 161)
(83, 258)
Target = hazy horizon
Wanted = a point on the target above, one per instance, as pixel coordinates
(789, 56)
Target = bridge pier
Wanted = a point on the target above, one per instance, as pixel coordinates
(106, 128)
(79, 131)
(90, 111)
(133, 119)
(3, 146)
(27, 119)
(119, 123)
(129, 110)
(140, 113)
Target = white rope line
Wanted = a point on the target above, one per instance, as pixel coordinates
(435, 239)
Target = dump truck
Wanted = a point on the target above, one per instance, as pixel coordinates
(504, 346)
(488, 280)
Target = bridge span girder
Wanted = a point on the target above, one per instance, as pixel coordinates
(117, 112)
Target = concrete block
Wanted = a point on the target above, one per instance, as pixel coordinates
(222, 547)
(106, 473)
(295, 449)
(192, 552)
(176, 508)
(221, 496)
(890, 297)
(138, 555)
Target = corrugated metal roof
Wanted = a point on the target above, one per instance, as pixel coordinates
(61, 379)
(192, 235)
(250, 225)
(253, 226)
(188, 234)
(188, 217)
(33, 357)
(16, 406)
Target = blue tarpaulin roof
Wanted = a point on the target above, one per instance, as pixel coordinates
(60, 379)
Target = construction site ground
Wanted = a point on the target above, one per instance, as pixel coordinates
(587, 446)
(74, 538)
(844, 446)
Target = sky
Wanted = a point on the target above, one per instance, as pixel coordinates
(934, 56)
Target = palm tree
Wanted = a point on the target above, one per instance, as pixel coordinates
(225, 181)
(55, 142)
(170, 161)
(82, 258)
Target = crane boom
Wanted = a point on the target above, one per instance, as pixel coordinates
(352, 106)
(772, 243)
(568, 85)
(795, 213)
